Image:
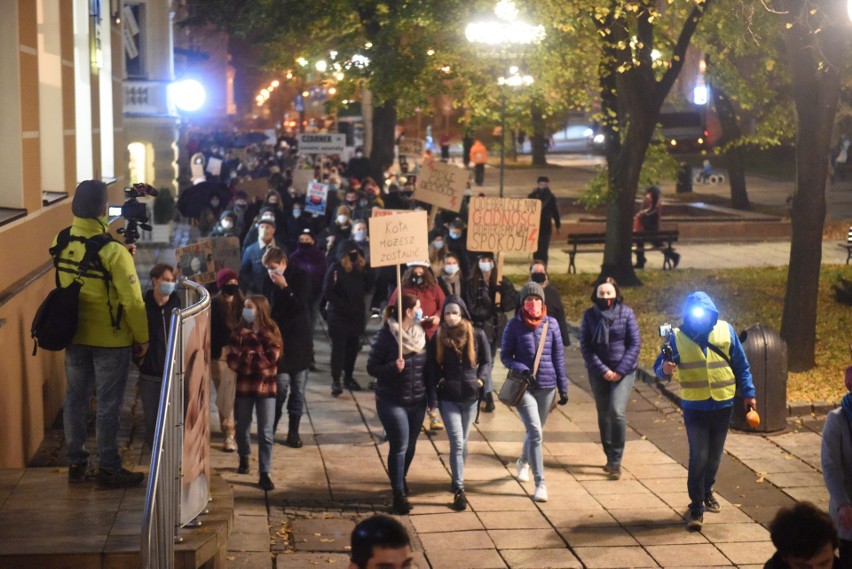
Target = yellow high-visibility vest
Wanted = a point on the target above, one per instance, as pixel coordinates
(707, 376)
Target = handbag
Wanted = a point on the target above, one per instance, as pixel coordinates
(516, 383)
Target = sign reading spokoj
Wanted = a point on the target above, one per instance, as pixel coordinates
(505, 225)
(322, 143)
(397, 239)
(317, 198)
(441, 185)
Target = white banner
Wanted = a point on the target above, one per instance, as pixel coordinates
(322, 143)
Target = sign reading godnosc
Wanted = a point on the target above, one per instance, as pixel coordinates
(504, 225)
(322, 143)
(397, 239)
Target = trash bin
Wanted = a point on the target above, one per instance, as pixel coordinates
(684, 178)
(767, 356)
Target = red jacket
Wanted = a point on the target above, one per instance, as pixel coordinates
(431, 301)
(253, 356)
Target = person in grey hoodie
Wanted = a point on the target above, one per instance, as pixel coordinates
(836, 459)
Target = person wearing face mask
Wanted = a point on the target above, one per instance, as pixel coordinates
(226, 226)
(437, 251)
(288, 291)
(456, 243)
(226, 309)
(401, 390)
(450, 279)
(549, 211)
(311, 260)
(552, 300)
(488, 314)
(518, 352)
(359, 165)
(610, 344)
(252, 271)
(346, 284)
(339, 231)
(297, 221)
(159, 303)
(712, 367)
(359, 236)
(211, 212)
(461, 359)
(419, 281)
(275, 202)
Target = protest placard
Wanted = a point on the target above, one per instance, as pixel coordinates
(378, 212)
(214, 166)
(255, 188)
(441, 185)
(505, 225)
(197, 166)
(195, 262)
(400, 238)
(322, 143)
(411, 147)
(226, 253)
(317, 198)
(301, 178)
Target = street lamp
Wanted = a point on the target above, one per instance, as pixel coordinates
(506, 31)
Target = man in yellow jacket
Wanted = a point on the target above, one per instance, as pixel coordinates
(711, 365)
(112, 322)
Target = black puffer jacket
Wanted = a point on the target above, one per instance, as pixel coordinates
(405, 388)
(345, 293)
(455, 380)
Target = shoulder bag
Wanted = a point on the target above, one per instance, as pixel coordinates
(517, 382)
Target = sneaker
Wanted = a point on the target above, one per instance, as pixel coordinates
(336, 388)
(523, 471)
(695, 521)
(401, 505)
(711, 504)
(351, 384)
(607, 468)
(460, 500)
(243, 468)
(540, 493)
(230, 445)
(435, 422)
(265, 482)
(614, 472)
(121, 478)
(77, 473)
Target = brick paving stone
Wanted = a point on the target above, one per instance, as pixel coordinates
(613, 535)
(642, 501)
(744, 553)
(797, 479)
(664, 535)
(322, 534)
(657, 471)
(599, 487)
(611, 557)
(461, 559)
(248, 560)
(540, 559)
(255, 542)
(527, 539)
(729, 515)
(647, 516)
(574, 518)
(492, 503)
(457, 521)
(723, 533)
(308, 560)
(695, 555)
(457, 540)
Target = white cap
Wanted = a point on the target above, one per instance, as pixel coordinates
(418, 263)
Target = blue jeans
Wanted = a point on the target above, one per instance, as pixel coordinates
(706, 432)
(105, 370)
(611, 401)
(294, 383)
(243, 409)
(458, 418)
(402, 424)
(533, 410)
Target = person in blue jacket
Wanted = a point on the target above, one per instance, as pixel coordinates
(711, 366)
(520, 343)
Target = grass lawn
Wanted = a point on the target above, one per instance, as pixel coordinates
(745, 297)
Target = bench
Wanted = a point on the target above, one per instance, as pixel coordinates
(848, 245)
(593, 243)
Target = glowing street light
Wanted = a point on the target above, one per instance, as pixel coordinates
(188, 95)
(275, 83)
(321, 66)
(506, 30)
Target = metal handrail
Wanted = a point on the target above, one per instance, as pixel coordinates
(162, 498)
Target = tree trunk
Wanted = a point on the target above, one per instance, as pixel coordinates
(816, 63)
(384, 125)
(539, 138)
(734, 154)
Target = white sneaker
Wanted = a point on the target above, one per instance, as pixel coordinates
(523, 471)
(540, 493)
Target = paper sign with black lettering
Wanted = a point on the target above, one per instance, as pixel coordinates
(505, 225)
(195, 262)
(317, 198)
(411, 147)
(441, 185)
(396, 239)
(322, 143)
(226, 253)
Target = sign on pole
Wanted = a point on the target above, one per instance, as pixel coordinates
(411, 147)
(441, 185)
(505, 225)
(397, 239)
(317, 198)
(322, 143)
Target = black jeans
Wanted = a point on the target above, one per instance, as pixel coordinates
(402, 425)
(706, 432)
(344, 352)
(478, 174)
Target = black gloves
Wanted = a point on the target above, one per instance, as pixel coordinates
(529, 378)
(563, 398)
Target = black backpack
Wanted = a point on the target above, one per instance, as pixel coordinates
(55, 321)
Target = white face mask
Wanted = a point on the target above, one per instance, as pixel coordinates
(452, 319)
(486, 266)
(227, 224)
(342, 219)
(359, 235)
(451, 269)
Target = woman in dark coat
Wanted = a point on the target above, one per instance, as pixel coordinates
(401, 390)
(460, 358)
(518, 351)
(610, 342)
(346, 284)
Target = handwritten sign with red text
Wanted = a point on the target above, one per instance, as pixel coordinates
(505, 225)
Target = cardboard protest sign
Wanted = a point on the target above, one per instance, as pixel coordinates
(197, 166)
(226, 253)
(400, 238)
(505, 225)
(317, 198)
(411, 147)
(378, 212)
(195, 262)
(322, 143)
(214, 166)
(301, 178)
(255, 188)
(441, 185)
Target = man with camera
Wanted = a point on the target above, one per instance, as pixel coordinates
(112, 324)
(711, 366)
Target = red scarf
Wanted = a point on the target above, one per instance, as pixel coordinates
(533, 321)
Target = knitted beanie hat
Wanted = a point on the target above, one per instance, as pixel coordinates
(531, 289)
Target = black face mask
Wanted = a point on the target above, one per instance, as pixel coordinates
(353, 257)
(231, 289)
(304, 246)
(604, 303)
(417, 280)
(538, 277)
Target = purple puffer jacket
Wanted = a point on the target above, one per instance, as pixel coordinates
(621, 355)
(520, 344)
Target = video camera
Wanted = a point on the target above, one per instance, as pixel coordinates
(135, 212)
(666, 348)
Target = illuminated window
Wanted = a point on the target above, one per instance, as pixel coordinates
(138, 162)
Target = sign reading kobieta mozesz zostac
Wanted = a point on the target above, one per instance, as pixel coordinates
(322, 143)
(397, 239)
